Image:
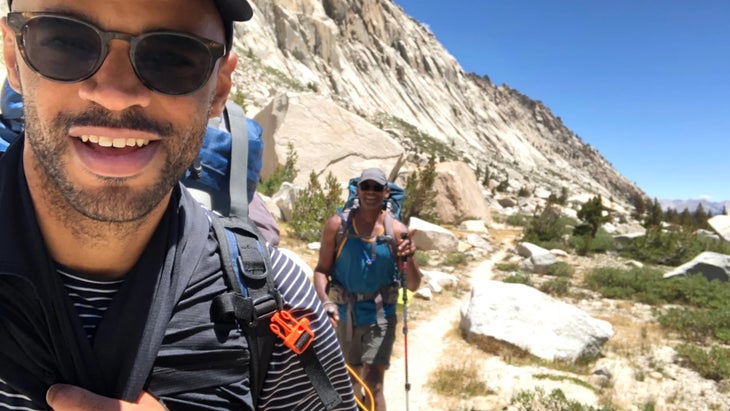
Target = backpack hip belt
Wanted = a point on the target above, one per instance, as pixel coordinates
(338, 294)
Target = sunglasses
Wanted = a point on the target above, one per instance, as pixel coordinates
(371, 187)
(69, 50)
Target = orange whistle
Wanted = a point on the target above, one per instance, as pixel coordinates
(296, 334)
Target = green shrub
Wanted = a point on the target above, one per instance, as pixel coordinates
(548, 229)
(585, 244)
(560, 269)
(456, 258)
(637, 283)
(420, 195)
(458, 380)
(518, 278)
(313, 206)
(503, 185)
(672, 248)
(286, 173)
(555, 401)
(705, 313)
(713, 364)
(524, 192)
(421, 257)
(698, 325)
(556, 286)
(507, 266)
(518, 220)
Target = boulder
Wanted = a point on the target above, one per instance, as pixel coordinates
(539, 263)
(458, 194)
(345, 143)
(285, 198)
(478, 241)
(518, 316)
(721, 225)
(432, 237)
(474, 226)
(714, 266)
(526, 249)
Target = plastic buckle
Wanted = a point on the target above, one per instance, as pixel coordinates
(296, 334)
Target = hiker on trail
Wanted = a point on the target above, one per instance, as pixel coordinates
(359, 288)
(115, 285)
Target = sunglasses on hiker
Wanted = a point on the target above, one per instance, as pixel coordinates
(69, 50)
(371, 187)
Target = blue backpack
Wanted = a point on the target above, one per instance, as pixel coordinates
(11, 118)
(225, 175)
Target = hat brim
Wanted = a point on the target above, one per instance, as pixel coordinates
(231, 10)
(234, 10)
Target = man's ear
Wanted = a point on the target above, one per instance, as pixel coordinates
(10, 55)
(223, 84)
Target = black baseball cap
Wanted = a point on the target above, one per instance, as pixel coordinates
(230, 10)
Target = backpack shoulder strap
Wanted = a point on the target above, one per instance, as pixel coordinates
(252, 298)
(388, 220)
(255, 303)
(236, 120)
(344, 228)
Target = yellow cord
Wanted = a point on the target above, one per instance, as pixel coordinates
(365, 388)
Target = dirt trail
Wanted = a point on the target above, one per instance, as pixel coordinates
(426, 347)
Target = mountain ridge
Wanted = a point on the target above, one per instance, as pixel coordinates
(373, 59)
(715, 207)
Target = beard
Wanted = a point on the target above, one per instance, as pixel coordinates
(113, 200)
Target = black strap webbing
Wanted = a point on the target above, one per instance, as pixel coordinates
(321, 383)
(252, 298)
(252, 302)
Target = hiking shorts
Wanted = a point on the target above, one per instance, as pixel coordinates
(371, 344)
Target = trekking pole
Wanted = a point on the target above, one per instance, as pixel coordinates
(403, 273)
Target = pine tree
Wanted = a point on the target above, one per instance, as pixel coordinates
(594, 214)
(700, 217)
(313, 206)
(654, 215)
(686, 219)
(420, 195)
(639, 204)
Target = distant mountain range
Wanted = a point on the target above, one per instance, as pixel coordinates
(716, 207)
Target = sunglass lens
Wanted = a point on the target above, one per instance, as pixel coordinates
(371, 187)
(61, 49)
(171, 63)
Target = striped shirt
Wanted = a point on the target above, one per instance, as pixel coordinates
(287, 387)
(91, 298)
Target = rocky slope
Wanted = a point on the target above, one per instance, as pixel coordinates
(369, 57)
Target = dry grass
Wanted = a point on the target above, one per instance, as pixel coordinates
(458, 382)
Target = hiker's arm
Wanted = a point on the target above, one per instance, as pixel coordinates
(407, 250)
(292, 389)
(63, 397)
(327, 253)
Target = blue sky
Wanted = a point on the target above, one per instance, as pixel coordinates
(645, 82)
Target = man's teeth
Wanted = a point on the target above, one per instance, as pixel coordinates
(114, 142)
